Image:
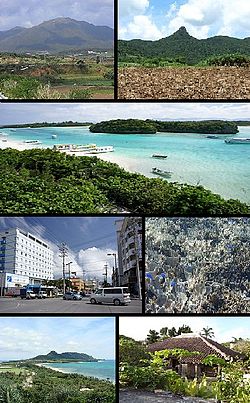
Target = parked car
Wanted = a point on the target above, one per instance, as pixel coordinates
(113, 295)
(72, 295)
(42, 295)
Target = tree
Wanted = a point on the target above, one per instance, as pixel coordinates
(172, 332)
(153, 336)
(184, 329)
(164, 333)
(207, 332)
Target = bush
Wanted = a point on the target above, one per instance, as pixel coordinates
(237, 60)
(80, 94)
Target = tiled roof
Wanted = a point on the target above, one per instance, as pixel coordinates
(196, 343)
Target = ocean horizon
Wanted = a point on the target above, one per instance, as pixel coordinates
(191, 157)
(100, 369)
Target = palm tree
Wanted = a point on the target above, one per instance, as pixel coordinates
(207, 332)
(164, 333)
(153, 336)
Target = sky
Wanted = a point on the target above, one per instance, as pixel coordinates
(27, 337)
(155, 19)
(11, 113)
(225, 328)
(89, 240)
(33, 12)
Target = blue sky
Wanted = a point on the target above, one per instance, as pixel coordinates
(23, 337)
(32, 12)
(225, 328)
(54, 112)
(155, 19)
(89, 239)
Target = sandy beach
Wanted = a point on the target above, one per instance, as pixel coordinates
(18, 145)
(53, 369)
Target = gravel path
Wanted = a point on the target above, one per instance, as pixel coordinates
(136, 396)
(184, 83)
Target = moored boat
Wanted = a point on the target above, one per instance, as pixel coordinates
(83, 148)
(32, 142)
(160, 156)
(160, 172)
(238, 140)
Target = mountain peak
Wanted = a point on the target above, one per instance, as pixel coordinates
(181, 33)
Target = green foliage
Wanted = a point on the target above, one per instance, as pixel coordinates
(18, 87)
(152, 126)
(79, 94)
(109, 75)
(153, 336)
(133, 126)
(238, 60)
(232, 388)
(45, 181)
(183, 46)
(48, 386)
(132, 352)
(213, 360)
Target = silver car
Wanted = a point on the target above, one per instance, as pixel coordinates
(72, 295)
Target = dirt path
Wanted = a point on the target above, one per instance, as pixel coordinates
(136, 396)
(184, 83)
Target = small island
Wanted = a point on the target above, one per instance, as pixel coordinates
(136, 126)
(53, 356)
(36, 125)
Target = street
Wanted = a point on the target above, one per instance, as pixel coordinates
(58, 305)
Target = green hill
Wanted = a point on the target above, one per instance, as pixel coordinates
(183, 46)
(68, 356)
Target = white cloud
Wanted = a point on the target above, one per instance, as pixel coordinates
(201, 18)
(141, 27)
(132, 7)
(93, 260)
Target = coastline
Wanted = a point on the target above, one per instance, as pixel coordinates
(123, 162)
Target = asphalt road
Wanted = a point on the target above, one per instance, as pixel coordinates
(58, 305)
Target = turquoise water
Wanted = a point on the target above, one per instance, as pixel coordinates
(100, 369)
(193, 158)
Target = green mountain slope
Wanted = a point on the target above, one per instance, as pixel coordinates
(68, 356)
(182, 45)
(57, 35)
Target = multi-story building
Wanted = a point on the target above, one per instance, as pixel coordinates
(77, 283)
(24, 259)
(129, 241)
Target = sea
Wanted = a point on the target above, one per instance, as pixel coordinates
(192, 158)
(100, 369)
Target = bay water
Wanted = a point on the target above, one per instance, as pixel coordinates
(192, 158)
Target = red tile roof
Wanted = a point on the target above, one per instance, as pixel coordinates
(196, 343)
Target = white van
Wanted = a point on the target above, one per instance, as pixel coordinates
(112, 295)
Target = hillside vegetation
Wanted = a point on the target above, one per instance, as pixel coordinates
(182, 48)
(44, 181)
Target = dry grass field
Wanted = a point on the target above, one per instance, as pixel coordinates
(184, 83)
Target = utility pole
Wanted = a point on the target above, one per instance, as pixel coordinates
(105, 274)
(68, 264)
(137, 256)
(117, 276)
(64, 252)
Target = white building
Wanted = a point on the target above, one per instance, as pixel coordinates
(24, 258)
(129, 242)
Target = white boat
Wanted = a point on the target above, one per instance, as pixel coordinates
(82, 148)
(238, 140)
(32, 142)
(54, 136)
(160, 172)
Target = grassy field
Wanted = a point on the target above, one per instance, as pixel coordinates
(55, 77)
(184, 83)
(11, 369)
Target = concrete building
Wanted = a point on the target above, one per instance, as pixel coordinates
(77, 283)
(129, 247)
(24, 259)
